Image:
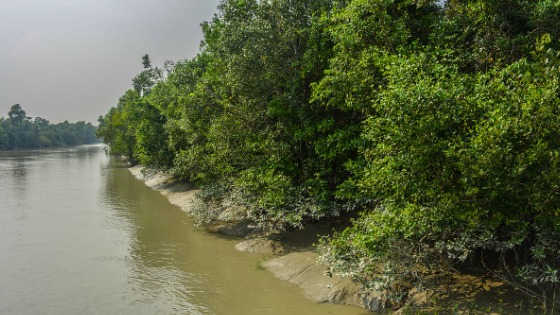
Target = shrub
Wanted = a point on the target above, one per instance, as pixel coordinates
(462, 165)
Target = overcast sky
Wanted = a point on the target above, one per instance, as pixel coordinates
(72, 59)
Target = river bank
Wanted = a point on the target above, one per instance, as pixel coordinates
(291, 257)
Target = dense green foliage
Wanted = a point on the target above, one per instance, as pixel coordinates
(19, 131)
(438, 120)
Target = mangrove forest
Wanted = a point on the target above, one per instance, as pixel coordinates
(436, 123)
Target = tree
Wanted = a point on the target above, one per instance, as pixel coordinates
(17, 115)
(456, 140)
(23, 133)
(145, 80)
(116, 128)
(436, 119)
(20, 129)
(3, 136)
(146, 61)
(263, 53)
(486, 33)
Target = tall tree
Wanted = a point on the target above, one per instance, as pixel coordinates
(3, 136)
(17, 115)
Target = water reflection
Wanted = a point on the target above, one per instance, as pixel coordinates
(156, 243)
(13, 186)
(95, 240)
(174, 263)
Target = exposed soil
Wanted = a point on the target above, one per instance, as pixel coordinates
(291, 256)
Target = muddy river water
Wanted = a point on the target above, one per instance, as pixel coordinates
(80, 235)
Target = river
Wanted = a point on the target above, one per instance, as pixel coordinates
(80, 235)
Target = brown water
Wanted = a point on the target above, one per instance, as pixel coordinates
(80, 235)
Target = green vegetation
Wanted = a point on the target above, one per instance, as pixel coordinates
(21, 132)
(436, 120)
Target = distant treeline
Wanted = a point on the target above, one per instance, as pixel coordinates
(438, 121)
(19, 131)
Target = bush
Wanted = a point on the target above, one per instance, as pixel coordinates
(463, 165)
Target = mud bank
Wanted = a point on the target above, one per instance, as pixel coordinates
(289, 260)
(291, 257)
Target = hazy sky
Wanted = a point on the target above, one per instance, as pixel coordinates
(72, 59)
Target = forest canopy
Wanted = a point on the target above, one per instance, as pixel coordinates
(437, 121)
(18, 131)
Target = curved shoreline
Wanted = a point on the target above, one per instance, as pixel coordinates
(293, 258)
(298, 266)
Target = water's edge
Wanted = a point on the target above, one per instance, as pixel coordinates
(298, 267)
